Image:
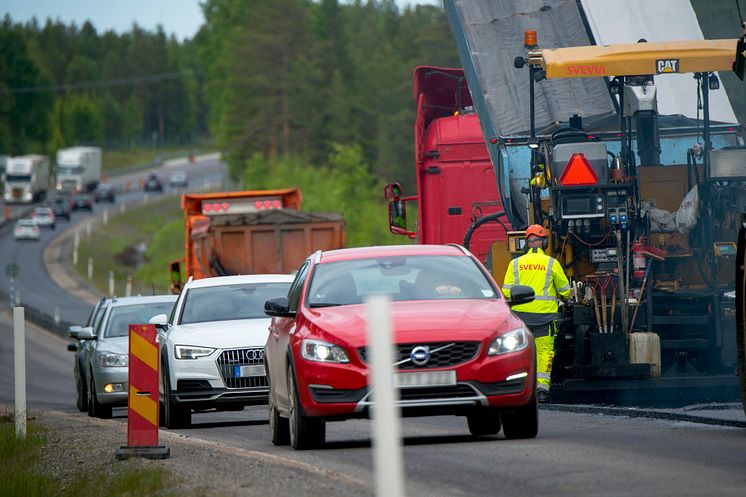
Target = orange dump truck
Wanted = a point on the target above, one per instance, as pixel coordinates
(251, 232)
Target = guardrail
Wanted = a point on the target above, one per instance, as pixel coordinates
(40, 318)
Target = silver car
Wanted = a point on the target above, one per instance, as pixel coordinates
(80, 346)
(106, 358)
(26, 229)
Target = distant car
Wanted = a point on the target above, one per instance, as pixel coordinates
(61, 207)
(44, 217)
(106, 360)
(105, 192)
(26, 229)
(153, 183)
(212, 346)
(82, 201)
(459, 350)
(178, 179)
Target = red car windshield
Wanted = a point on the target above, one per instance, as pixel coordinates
(399, 277)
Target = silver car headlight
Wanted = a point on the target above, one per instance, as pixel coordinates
(191, 352)
(510, 341)
(111, 360)
(316, 350)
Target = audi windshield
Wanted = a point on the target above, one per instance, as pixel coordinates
(229, 302)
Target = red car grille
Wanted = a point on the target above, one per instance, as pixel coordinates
(230, 362)
(442, 354)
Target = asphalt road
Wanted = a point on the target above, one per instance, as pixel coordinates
(34, 284)
(576, 453)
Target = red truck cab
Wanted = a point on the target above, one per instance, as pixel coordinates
(455, 179)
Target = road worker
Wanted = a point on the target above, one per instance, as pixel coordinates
(545, 275)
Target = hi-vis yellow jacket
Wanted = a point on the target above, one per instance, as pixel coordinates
(542, 273)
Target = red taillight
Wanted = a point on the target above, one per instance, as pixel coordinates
(225, 206)
(276, 204)
(578, 172)
(258, 204)
(206, 208)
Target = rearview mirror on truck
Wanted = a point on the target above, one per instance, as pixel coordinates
(392, 191)
(398, 216)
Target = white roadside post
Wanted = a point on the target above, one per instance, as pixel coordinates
(88, 230)
(56, 315)
(122, 208)
(128, 288)
(90, 267)
(76, 243)
(19, 356)
(387, 457)
(111, 283)
(106, 217)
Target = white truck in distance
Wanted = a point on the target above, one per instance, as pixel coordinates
(26, 178)
(78, 169)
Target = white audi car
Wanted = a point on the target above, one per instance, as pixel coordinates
(212, 345)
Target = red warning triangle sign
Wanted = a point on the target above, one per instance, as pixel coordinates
(578, 172)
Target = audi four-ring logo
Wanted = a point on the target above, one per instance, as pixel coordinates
(254, 354)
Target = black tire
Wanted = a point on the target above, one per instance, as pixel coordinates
(174, 415)
(82, 390)
(521, 422)
(95, 408)
(279, 427)
(484, 422)
(305, 432)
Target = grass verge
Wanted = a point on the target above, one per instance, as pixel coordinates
(23, 472)
(157, 225)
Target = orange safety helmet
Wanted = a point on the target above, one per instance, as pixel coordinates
(536, 230)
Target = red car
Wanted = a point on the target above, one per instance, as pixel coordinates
(460, 349)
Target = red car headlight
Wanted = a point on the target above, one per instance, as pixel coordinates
(316, 350)
(510, 341)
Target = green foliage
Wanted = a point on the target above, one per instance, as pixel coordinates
(165, 246)
(345, 185)
(157, 224)
(71, 85)
(293, 77)
(22, 475)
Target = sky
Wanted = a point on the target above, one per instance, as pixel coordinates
(180, 17)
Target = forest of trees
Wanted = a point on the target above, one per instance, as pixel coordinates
(63, 85)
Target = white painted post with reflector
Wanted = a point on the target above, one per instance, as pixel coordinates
(387, 457)
(19, 354)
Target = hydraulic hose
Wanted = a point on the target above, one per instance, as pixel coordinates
(495, 216)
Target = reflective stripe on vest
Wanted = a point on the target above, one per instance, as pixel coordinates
(548, 280)
(516, 274)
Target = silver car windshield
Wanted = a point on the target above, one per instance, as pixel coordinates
(121, 317)
(399, 277)
(229, 302)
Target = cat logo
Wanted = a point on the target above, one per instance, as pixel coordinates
(665, 66)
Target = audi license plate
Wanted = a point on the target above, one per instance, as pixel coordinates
(245, 371)
(425, 379)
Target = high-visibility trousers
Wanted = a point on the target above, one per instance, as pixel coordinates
(544, 340)
(544, 356)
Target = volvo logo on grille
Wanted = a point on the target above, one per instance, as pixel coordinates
(254, 354)
(420, 355)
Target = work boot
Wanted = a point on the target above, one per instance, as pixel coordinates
(542, 394)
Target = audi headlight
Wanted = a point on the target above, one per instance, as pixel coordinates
(315, 350)
(190, 352)
(112, 360)
(511, 341)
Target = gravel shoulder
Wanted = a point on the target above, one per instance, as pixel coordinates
(77, 444)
